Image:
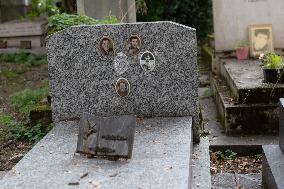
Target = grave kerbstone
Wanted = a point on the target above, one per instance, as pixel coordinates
(83, 79)
(281, 125)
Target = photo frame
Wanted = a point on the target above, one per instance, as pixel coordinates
(261, 39)
(106, 46)
(133, 45)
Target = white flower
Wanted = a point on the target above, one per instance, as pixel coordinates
(261, 56)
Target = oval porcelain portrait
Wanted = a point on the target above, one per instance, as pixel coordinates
(133, 45)
(122, 87)
(106, 46)
(147, 61)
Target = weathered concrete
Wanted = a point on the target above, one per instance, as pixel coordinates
(201, 177)
(245, 80)
(20, 28)
(272, 167)
(82, 79)
(2, 174)
(232, 18)
(124, 10)
(230, 181)
(243, 119)
(16, 31)
(161, 159)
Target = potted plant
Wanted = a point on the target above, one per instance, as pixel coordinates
(272, 67)
(3, 44)
(242, 50)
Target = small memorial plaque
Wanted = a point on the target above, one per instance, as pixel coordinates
(147, 61)
(106, 136)
(122, 87)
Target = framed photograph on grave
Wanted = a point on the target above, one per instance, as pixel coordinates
(133, 45)
(261, 39)
(106, 46)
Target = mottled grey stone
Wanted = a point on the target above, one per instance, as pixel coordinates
(281, 125)
(106, 136)
(201, 177)
(161, 159)
(232, 181)
(83, 80)
(272, 167)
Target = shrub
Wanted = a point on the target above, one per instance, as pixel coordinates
(193, 13)
(20, 130)
(24, 58)
(62, 21)
(27, 99)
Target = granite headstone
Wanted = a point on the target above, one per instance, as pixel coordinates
(83, 79)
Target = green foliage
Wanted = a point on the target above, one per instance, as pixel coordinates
(258, 157)
(272, 61)
(62, 21)
(193, 13)
(21, 130)
(23, 58)
(204, 133)
(10, 75)
(227, 155)
(42, 6)
(207, 94)
(27, 99)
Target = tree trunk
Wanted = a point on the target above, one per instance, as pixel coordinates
(69, 6)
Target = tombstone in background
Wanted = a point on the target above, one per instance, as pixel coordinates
(24, 34)
(232, 18)
(99, 9)
(12, 9)
(98, 69)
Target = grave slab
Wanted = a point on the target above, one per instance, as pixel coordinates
(245, 80)
(201, 177)
(244, 119)
(161, 159)
(272, 167)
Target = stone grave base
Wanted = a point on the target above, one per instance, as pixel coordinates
(246, 104)
(161, 159)
(272, 167)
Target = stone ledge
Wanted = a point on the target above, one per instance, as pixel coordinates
(161, 159)
(272, 167)
(245, 81)
(240, 119)
(201, 177)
